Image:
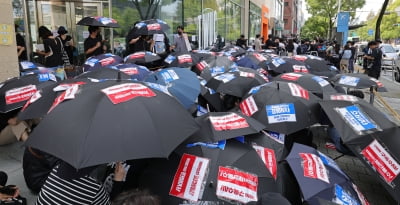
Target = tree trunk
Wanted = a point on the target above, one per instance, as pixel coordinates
(379, 20)
(330, 30)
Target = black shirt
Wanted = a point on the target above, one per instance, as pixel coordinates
(67, 47)
(242, 43)
(55, 58)
(21, 42)
(90, 43)
(140, 45)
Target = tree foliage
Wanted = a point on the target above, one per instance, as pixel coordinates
(315, 27)
(329, 9)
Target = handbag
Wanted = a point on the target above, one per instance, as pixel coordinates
(64, 55)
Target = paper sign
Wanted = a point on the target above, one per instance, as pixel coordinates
(300, 58)
(381, 161)
(343, 197)
(298, 91)
(247, 74)
(65, 86)
(130, 71)
(248, 106)
(313, 167)
(158, 37)
(186, 58)
(362, 198)
(217, 70)
(350, 98)
(200, 66)
(33, 99)
(322, 82)
(356, 119)
(127, 91)
(281, 113)
(20, 94)
(236, 185)
(259, 57)
(349, 80)
(6, 34)
(189, 178)
(91, 61)
(67, 94)
(169, 59)
(107, 61)
(27, 65)
(300, 69)
(169, 75)
(225, 77)
(137, 55)
(268, 157)
(230, 121)
(85, 34)
(378, 83)
(291, 76)
(153, 27)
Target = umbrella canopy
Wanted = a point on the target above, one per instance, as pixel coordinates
(287, 65)
(312, 83)
(270, 140)
(283, 107)
(104, 74)
(253, 60)
(203, 54)
(217, 126)
(100, 21)
(112, 121)
(40, 102)
(136, 72)
(149, 27)
(236, 156)
(213, 65)
(142, 58)
(29, 66)
(16, 91)
(180, 82)
(181, 59)
(236, 82)
(319, 177)
(318, 65)
(358, 80)
(208, 97)
(100, 61)
(233, 51)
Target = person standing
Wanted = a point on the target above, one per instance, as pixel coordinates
(290, 47)
(67, 42)
(93, 44)
(181, 41)
(374, 57)
(21, 46)
(257, 43)
(241, 42)
(52, 48)
(270, 44)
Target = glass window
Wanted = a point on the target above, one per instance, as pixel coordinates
(254, 20)
(233, 20)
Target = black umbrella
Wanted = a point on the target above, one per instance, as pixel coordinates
(112, 121)
(319, 177)
(100, 21)
(318, 65)
(358, 80)
(208, 97)
(269, 140)
(312, 83)
(181, 59)
(104, 74)
(217, 126)
(212, 66)
(235, 156)
(254, 60)
(283, 107)
(16, 91)
(236, 82)
(142, 58)
(232, 51)
(149, 27)
(100, 61)
(286, 65)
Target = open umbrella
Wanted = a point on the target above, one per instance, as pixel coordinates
(286, 65)
(319, 177)
(318, 65)
(270, 140)
(16, 91)
(148, 27)
(358, 80)
(137, 72)
(236, 82)
(253, 60)
(213, 65)
(112, 121)
(217, 126)
(100, 21)
(283, 107)
(103, 74)
(181, 59)
(312, 83)
(180, 82)
(208, 98)
(142, 58)
(100, 61)
(236, 158)
(232, 51)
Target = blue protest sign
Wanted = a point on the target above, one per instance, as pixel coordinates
(281, 113)
(357, 119)
(370, 32)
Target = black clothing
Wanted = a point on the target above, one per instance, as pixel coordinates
(37, 166)
(90, 43)
(290, 48)
(4, 117)
(21, 42)
(3, 178)
(68, 48)
(375, 70)
(140, 45)
(269, 44)
(54, 47)
(241, 43)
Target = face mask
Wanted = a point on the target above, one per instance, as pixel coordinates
(180, 32)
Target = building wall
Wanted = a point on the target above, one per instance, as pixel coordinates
(8, 58)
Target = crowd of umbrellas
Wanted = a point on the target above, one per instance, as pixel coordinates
(201, 151)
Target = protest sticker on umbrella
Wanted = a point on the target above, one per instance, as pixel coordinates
(322, 82)
(186, 58)
(91, 61)
(313, 167)
(246, 74)
(248, 106)
(259, 57)
(130, 71)
(350, 98)
(127, 91)
(202, 65)
(154, 27)
(20, 94)
(67, 94)
(357, 119)
(382, 161)
(278, 61)
(349, 80)
(291, 76)
(236, 185)
(189, 179)
(378, 83)
(107, 61)
(268, 157)
(300, 58)
(33, 99)
(137, 55)
(361, 196)
(281, 113)
(169, 59)
(298, 91)
(343, 197)
(300, 69)
(231, 121)
(225, 77)
(217, 70)
(169, 75)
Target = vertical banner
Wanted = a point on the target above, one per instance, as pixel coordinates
(343, 25)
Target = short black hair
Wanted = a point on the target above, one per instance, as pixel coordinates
(92, 29)
(242, 36)
(180, 27)
(258, 35)
(44, 32)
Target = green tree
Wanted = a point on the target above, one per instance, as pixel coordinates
(314, 27)
(379, 21)
(329, 8)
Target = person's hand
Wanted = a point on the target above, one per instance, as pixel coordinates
(98, 45)
(7, 197)
(119, 172)
(13, 121)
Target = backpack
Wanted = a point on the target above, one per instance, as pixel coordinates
(346, 54)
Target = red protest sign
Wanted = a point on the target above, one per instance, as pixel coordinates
(313, 167)
(127, 91)
(130, 71)
(248, 106)
(300, 69)
(189, 177)
(269, 159)
(230, 121)
(186, 58)
(107, 61)
(154, 27)
(236, 185)
(33, 98)
(67, 94)
(298, 91)
(291, 76)
(202, 65)
(382, 161)
(20, 94)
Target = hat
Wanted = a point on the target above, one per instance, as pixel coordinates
(62, 30)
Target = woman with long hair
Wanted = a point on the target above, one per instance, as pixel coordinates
(52, 48)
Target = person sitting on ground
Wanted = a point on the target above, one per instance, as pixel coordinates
(12, 129)
(241, 42)
(136, 197)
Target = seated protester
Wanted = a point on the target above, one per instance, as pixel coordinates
(66, 185)
(13, 130)
(136, 197)
(37, 166)
(10, 194)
